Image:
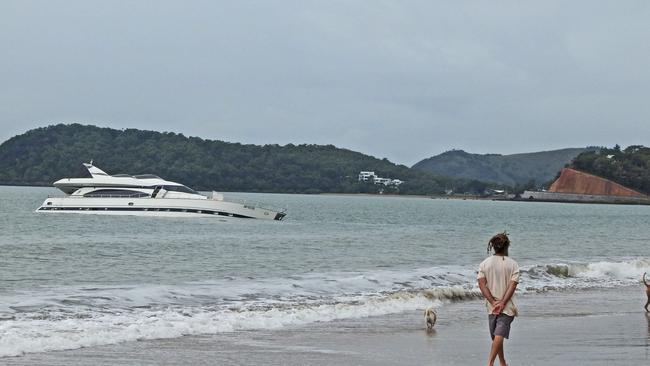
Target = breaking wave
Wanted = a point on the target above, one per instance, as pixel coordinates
(75, 317)
(602, 274)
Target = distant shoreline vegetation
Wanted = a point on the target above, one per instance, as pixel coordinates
(44, 155)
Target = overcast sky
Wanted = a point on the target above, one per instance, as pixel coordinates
(403, 80)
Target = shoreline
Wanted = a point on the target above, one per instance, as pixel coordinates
(591, 327)
(435, 197)
(578, 202)
(370, 195)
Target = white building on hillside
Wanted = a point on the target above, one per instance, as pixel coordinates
(365, 176)
(384, 181)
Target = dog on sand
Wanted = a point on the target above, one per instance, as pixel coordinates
(647, 292)
(430, 318)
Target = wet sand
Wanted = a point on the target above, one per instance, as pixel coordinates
(598, 327)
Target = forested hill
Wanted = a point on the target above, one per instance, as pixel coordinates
(43, 155)
(515, 169)
(629, 167)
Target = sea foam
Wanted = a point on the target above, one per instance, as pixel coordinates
(23, 335)
(74, 317)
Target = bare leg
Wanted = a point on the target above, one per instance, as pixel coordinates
(647, 292)
(497, 349)
(502, 357)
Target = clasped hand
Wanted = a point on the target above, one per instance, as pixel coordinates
(497, 307)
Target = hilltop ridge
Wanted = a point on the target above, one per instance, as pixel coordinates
(512, 170)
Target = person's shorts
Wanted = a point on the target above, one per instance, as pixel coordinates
(500, 325)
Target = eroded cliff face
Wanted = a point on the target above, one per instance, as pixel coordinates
(574, 181)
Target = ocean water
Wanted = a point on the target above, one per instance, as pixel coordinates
(69, 281)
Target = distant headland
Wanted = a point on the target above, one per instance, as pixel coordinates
(603, 176)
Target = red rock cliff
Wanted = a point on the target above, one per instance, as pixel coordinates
(573, 181)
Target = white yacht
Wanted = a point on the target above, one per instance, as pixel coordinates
(147, 194)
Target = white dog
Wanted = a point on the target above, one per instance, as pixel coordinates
(430, 317)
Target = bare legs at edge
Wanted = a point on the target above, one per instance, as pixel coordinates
(497, 350)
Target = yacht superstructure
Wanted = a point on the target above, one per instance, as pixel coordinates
(146, 194)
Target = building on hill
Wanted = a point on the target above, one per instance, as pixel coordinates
(365, 176)
(384, 181)
(576, 186)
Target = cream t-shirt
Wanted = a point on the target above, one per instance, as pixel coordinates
(499, 271)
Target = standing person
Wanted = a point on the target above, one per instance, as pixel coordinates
(498, 276)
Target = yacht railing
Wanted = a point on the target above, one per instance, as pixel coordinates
(101, 196)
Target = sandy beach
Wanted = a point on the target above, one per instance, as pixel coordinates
(599, 327)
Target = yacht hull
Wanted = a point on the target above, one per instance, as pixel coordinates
(169, 207)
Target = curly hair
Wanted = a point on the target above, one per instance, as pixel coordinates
(499, 243)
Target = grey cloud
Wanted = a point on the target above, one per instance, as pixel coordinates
(396, 79)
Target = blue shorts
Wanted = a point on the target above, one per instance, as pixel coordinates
(500, 325)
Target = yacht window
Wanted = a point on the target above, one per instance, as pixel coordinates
(116, 193)
(180, 189)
